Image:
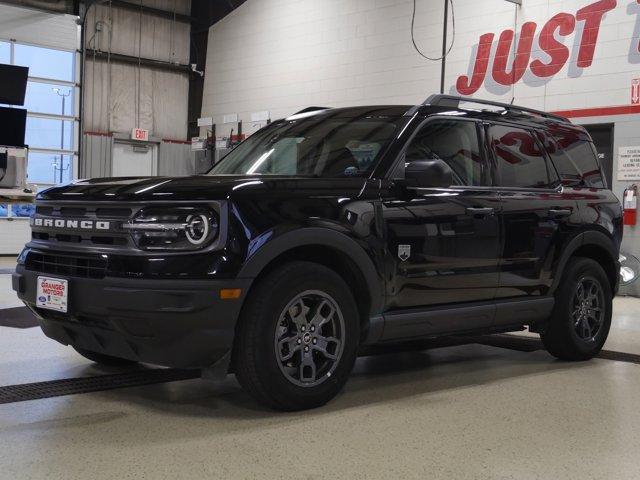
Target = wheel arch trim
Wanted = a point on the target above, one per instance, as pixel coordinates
(583, 239)
(324, 237)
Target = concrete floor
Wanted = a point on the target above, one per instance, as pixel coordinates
(466, 412)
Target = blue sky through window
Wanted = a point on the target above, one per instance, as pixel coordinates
(45, 62)
(46, 133)
(45, 168)
(47, 98)
(5, 52)
(42, 98)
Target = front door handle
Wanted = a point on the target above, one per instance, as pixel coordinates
(480, 211)
(559, 212)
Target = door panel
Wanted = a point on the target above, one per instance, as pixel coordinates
(536, 215)
(131, 160)
(535, 225)
(453, 238)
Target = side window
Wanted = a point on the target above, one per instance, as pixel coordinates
(575, 158)
(454, 141)
(520, 160)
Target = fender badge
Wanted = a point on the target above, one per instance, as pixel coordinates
(404, 252)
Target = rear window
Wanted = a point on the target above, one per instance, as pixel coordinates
(575, 159)
(520, 161)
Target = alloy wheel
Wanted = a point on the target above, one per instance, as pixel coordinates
(309, 338)
(587, 311)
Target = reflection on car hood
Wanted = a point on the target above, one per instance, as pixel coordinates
(202, 187)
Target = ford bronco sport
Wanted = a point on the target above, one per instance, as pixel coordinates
(330, 230)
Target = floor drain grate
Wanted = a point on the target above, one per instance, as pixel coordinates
(74, 386)
(525, 344)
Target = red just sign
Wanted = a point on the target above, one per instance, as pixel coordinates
(562, 24)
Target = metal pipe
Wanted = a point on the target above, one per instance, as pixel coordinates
(444, 45)
(145, 62)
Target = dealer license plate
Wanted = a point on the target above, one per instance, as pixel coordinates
(52, 294)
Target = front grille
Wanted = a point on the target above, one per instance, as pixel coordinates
(66, 265)
(113, 238)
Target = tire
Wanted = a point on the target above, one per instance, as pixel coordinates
(274, 329)
(577, 330)
(102, 359)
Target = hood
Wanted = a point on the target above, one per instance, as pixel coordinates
(201, 187)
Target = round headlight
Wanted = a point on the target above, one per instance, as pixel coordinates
(197, 228)
(173, 228)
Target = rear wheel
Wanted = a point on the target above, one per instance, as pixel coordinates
(102, 359)
(581, 318)
(297, 338)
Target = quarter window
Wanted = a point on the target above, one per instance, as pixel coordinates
(575, 158)
(520, 161)
(454, 141)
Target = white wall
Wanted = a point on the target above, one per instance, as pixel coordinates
(282, 55)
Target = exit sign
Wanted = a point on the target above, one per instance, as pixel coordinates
(140, 134)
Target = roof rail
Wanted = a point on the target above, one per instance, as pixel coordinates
(454, 101)
(311, 109)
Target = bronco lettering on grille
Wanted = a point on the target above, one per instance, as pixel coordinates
(70, 224)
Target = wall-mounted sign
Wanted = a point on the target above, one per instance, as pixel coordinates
(635, 91)
(543, 60)
(140, 134)
(205, 122)
(629, 163)
(198, 143)
(260, 116)
(230, 118)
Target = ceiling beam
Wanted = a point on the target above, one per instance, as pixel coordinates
(136, 7)
(51, 6)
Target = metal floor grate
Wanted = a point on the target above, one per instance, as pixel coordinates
(74, 386)
(527, 344)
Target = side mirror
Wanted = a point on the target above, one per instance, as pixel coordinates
(432, 173)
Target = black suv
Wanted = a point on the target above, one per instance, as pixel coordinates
(328, 231)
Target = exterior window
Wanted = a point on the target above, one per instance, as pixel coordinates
(45, 62)
(5, 53)
(455, 142)
(50, 104)
(50, 134)
(45, 168)
(49, 98)
(576, 160)
(520, 161)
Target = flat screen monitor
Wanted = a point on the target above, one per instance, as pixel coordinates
(13, 123)
(13, 84)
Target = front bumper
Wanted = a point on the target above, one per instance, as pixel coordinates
(174, 323)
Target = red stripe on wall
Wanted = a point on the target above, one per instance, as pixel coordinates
(600, 111)
(99, 134)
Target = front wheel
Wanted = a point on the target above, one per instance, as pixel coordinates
(297, 338)
(581, 319)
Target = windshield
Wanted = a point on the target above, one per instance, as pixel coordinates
(318, 146)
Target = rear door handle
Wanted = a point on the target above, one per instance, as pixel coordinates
(478, 211)
(560, 212)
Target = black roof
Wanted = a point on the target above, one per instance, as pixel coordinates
(442, 104)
